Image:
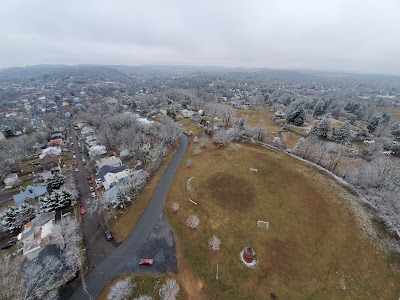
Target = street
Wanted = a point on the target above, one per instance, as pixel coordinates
(122, 258)
(93, 224)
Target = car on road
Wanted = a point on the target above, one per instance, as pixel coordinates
(94, 195)
(146, 262)
(72, 143)
(91, 189)
(74, 156)
(108, 235)
(82, 210)
(76, 170)
(8, 245)
(90, 181)
(75, 162)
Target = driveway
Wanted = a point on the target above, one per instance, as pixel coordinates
(121, 259)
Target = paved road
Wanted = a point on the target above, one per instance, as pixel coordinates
(93, 225)
(118, 262)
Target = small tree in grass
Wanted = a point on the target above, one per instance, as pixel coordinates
(121, 290)
(169, 290)
(214, 243)
(196, 150)
(188, 162)
(175, 207)
(193, 222)
(203, 141)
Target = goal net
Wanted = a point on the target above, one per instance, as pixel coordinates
(262, 224)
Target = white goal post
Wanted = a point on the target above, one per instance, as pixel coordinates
(262, 224)
(189, 184)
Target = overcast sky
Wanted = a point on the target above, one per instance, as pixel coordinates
(342, 35)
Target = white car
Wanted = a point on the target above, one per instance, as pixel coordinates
(91, 189)
(76, 170)
(94, 195)
(74, 156)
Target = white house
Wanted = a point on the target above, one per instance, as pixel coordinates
(112, 161)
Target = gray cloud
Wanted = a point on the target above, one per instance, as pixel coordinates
(352, 35)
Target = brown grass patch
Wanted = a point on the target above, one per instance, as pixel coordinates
(315, 247)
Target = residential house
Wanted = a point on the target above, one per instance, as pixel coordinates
(112, 175)
(30, 192)
(50, 150)
(112, 161)
(51, 162)
(97, 150)
(38, 233)
(56, 142)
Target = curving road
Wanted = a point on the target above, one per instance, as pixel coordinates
(118, 262)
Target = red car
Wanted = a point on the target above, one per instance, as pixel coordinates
(82, 210)
(146, 262)
(75, 162)
(90, 181)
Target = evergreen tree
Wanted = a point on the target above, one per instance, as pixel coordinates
(320, 108)
(373, 124)
(323, 127)
(298, 117)
(13, 218)
(56, 181)
(56, 200)
(342, 134)
(395, 130)
(239, 124)
(385, 118)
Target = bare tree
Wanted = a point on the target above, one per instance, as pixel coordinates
(175, 207)
(214, 243)
(42, 278)
(203, 141)
(193, 222)
(196, 151)
(11, 277)
(122, 289)
(169, 290)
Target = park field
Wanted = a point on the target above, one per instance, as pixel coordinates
(317, 245)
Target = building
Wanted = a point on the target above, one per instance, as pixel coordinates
(30, 192)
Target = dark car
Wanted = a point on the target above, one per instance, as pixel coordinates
(8, 245)
(108, 235)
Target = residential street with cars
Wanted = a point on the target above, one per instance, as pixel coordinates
(124, 257)
(93, 224)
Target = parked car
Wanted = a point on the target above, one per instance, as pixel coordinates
(90, 181)
(108, 235)
(146, 262)
(8, 245)
(91, 189)
(75, 162)
(82, 210)
(94, 195)
(74, 156)
(76, 170)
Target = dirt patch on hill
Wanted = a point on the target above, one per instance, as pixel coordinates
(230, 192)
